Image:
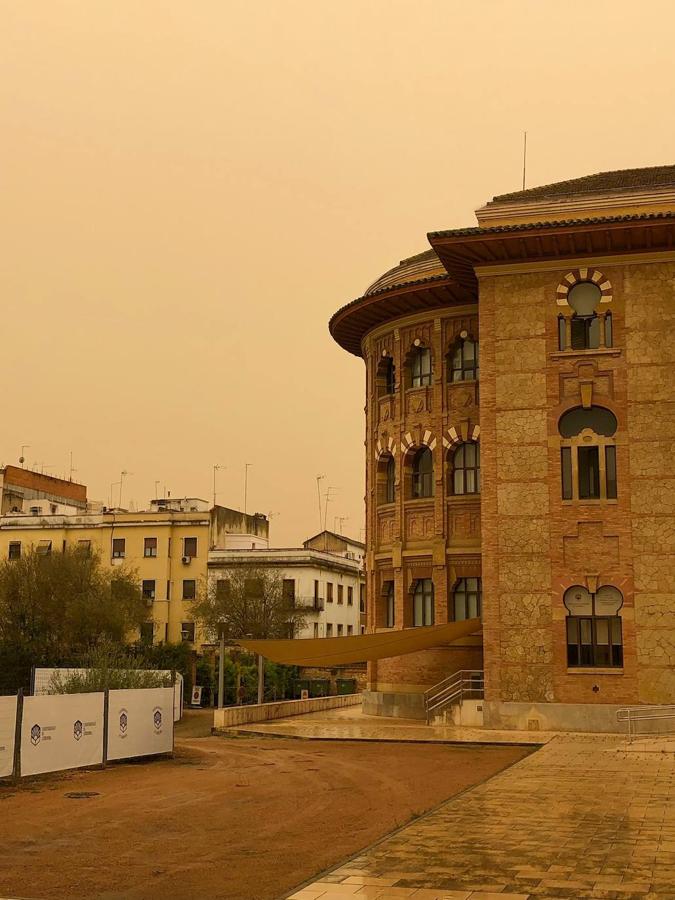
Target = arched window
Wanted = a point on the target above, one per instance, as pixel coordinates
(465, 469)
(463, 361)
(586, 326)
(386, 377)
(467, 599)
(423, 602)
(588, 454)
(423, 473)
(390, 482)
(594, 634)
(420, 367)
(390, 608)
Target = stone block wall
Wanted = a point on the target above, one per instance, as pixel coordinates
(650, 355)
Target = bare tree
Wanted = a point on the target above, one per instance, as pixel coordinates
(248, 601)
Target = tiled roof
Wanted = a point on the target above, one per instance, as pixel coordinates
(620, 180)
(534, 226)
(414, 268)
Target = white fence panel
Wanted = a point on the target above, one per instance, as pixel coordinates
(42, 677)
(7, 734)
(61, 731)
(140, 722)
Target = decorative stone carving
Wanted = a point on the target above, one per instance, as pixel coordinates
(386, 526)
(419, 525)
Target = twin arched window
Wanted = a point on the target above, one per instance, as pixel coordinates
(386, 377)
(594, 633)
(465, 469)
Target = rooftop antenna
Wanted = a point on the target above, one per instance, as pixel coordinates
(22, 458)
(327, 497)
(215, 469)
(246, 468)
(157, 490)
(340, 520)
(318, 491)
(70, 476)
(122, 474)
(524, 156)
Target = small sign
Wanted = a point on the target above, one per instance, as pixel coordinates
(196, 699)
(304, 695)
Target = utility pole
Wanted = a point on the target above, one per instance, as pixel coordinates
(246, 468)
(215, 469)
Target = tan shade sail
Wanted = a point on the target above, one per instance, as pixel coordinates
(340, 651)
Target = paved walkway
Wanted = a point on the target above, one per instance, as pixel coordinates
(585, 816)
(351, 724)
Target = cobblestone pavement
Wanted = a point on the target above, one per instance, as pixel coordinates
(352, 725)
(584, 816)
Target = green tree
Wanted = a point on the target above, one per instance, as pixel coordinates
(246, 602)
(55, 608)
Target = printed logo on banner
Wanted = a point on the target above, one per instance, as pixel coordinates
(124, 721)
(157, 719)
(35, 735)
(78, 730)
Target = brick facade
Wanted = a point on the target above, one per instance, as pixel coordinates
(525, 534)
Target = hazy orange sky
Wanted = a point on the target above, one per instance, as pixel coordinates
(190, 189)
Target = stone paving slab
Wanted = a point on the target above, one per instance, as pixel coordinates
(584, 816)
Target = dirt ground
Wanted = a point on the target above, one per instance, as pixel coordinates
(237, 818)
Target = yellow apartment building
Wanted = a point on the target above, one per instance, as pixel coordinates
(166, 546)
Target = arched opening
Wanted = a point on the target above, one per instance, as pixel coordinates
(588, 454)
(463, 360)
(593, 627)
(386, 479)
(422, 474)
(419, 367)
(385, 377)
(467, 599)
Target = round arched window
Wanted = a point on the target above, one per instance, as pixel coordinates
(584, 298)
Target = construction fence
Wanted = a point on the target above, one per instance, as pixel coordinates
(53, 732)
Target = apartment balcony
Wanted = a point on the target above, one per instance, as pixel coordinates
(310, 604)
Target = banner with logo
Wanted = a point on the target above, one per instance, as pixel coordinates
(61, 731)
(140, 722)
(42, 677)
(7, 734)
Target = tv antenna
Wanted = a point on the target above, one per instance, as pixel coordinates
(524, 156)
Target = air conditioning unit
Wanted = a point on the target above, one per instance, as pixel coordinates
(186, 560)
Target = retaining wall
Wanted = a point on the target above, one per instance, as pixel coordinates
(231, 716)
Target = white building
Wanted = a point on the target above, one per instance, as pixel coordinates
(328, 585)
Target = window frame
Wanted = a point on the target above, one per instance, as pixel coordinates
(185, 551)
(117, 553)
(192, 581)
(390, 606)
(12, 550)
(462, 593)
(422, 482)
(149, 547)
(463, 470)
(459, 367)
(146, 592)
(421, 367)
(423, 603)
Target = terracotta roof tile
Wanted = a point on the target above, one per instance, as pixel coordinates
(620, 180)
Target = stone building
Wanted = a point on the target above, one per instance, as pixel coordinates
(520, 428)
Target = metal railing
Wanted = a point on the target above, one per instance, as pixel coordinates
(632, 715)
(313, 603)
(466, 684)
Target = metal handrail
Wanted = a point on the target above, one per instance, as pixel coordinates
(633, 714)
(453, 688)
